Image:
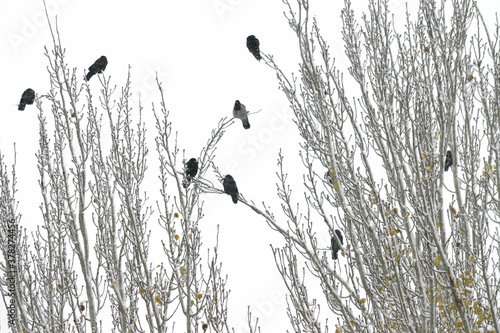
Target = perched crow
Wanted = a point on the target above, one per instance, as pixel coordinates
(253, 46)
(240, 112)
(335, 246)
(191, 170)
(449, 160)
(27, 98)
(230, 187)
(97, 67)
(329, 177)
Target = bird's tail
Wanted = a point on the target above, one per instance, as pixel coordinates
(334, 256)
(21, 107)
(235, 198)
(89, 75)
(186, 181)
(246, 124)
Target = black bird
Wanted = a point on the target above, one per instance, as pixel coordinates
(97, 67)
(335, 246)
(191, 170)
(449, 160)
(27, 98)
(230, 187)
(253, 46)
(329, 177)
(240, 112)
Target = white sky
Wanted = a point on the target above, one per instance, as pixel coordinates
(198, 48)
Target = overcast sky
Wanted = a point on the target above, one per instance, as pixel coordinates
(198, 49)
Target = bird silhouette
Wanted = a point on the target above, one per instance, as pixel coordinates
(27, 98)
(97, 67)
(230, 187)
(335, 245)
(449, 160)
(191, 170)
(240, 112)
(253, 46)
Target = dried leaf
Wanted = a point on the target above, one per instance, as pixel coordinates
(437, 261)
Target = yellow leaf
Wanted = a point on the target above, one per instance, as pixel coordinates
(192, 302)
(407, 214)
(395, 211)
(460, 324)
(199, 296)
(176, 214)
(362, 301)
(437, 261)
(468, 280)
(176, 237)
(424, 156)
(335, 185)
(182, 270)
(437, 224)
(158, 300)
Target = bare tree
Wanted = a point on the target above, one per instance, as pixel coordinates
(88, 266)
(421, 247)
(420, 250)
